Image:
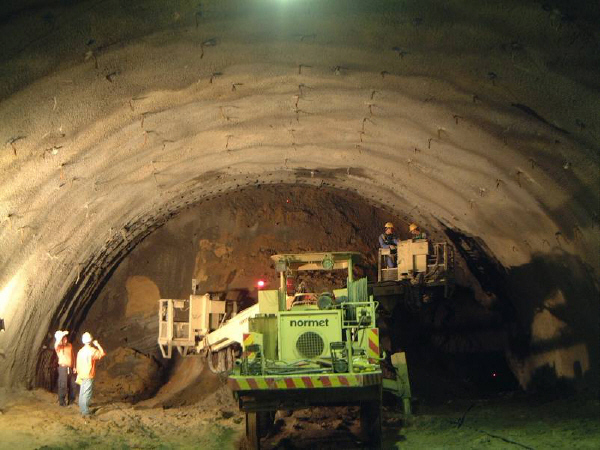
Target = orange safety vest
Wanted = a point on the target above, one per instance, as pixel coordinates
(65, 355)
(86, 361)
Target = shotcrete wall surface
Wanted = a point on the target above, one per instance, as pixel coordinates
(116, 116)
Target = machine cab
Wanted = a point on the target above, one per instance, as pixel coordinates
(294, 296)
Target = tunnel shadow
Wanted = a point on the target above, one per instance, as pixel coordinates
(455, 349)
(556, 295)
(550, 311)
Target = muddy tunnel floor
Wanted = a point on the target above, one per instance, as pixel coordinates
(33, 420)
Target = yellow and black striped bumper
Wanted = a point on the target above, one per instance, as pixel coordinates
(317, 381)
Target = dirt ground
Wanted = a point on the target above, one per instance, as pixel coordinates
(33, 420)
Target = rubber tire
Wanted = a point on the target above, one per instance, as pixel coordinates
(210, 355)
(252, 431)
(258, 425)
(370, 423)
(266, 419)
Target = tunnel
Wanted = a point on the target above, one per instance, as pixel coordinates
(149, 143)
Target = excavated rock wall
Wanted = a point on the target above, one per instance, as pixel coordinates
(225, 244)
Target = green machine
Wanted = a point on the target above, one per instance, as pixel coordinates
(318, 349)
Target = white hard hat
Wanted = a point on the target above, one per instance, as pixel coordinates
(60, 334)
(86, 338)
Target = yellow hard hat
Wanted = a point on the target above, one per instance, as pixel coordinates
(389, 225)
(413, 227)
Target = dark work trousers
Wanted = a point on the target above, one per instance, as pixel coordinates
(66, 385)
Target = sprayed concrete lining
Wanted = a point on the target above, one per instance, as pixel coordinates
(111, 130)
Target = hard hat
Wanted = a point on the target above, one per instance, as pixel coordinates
(389, 225)
(60, 334)
(86, 338)
(413, 227)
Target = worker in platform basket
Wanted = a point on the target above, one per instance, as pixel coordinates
(86, 370)
(66, 364)
(388, 239)
(415, 232)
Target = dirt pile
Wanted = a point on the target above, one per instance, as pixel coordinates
(191, 382)
(127, 375)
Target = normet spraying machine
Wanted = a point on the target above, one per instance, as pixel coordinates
(295, 349)
(318, 349)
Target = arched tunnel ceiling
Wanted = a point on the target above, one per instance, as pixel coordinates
(116, 115)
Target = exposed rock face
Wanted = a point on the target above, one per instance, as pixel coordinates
(482, 119)
(226, 245)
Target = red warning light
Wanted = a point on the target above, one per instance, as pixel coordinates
(261, 284)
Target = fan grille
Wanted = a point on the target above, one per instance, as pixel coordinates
(310, 344)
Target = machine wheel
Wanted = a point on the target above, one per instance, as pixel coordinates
(222, 360)
(252, 436)
(217, 361)
(370, 423)
(258, 425)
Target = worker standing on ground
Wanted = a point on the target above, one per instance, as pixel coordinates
(388, 239)
(415, 232)
(66, 363)
(86, 370)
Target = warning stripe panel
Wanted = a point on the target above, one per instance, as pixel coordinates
(326, 381)
(238, 383)
(373, 344)
(307, 382)
(248, 339)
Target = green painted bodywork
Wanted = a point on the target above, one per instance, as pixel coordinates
(306, 340)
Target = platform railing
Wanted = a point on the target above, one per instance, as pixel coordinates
(440, 260)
